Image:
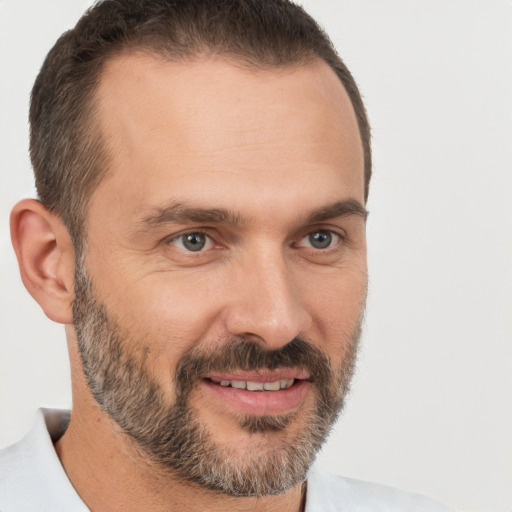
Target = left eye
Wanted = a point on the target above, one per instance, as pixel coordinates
(193, 241)
(322, 239)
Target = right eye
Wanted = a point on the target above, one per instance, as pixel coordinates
(194, 241)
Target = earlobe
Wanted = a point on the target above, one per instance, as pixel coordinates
(45, 257)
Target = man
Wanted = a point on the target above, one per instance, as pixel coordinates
(202, 170)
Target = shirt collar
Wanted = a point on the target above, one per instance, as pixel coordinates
(31, 473)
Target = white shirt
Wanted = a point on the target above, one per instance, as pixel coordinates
(32, 479)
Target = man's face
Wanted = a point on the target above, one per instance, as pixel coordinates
(219, 303)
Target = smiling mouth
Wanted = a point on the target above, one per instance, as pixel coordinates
(249, 385)
(260, 392)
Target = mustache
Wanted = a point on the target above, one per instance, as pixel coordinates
(240, 354)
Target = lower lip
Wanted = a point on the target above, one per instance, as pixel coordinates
(261, 403)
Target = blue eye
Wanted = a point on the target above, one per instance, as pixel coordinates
(321, 239)
(195, 241)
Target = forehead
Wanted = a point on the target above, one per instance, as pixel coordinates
(170, 126)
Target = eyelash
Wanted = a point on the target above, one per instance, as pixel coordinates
(338, 238)
(200, 232)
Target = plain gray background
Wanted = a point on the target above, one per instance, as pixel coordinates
(430, 409)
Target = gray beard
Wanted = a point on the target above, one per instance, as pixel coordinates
(174, 436)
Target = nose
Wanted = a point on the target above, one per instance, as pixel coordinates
(265, 303)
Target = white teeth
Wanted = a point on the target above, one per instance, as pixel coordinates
(254, 386)
(286, 383)
(258, 386)
(272, 386)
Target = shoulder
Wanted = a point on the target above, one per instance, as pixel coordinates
(332, 493)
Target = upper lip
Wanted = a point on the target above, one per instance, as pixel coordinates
(261, 375)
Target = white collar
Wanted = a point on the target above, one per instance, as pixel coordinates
(31, 475)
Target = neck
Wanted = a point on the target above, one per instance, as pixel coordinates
(110, 474)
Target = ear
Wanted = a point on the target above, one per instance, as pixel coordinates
(46, 258)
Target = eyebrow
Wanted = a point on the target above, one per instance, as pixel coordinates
(181, 213)
(338, 209)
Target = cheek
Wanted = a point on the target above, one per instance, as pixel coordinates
(336, 309)
(174, 311)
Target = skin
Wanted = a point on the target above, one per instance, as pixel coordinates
(271, 147)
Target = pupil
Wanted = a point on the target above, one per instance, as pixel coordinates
(194, 241)
(320, 239)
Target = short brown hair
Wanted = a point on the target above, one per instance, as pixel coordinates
(67, 152)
